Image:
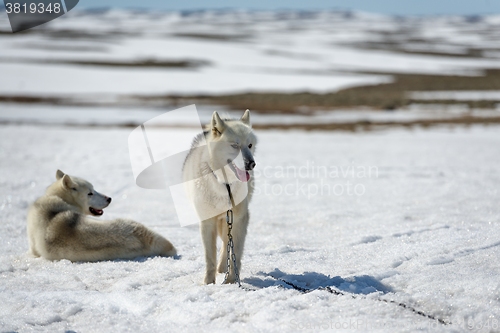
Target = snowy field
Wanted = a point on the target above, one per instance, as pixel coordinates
(236, 51)
(402, 222)
(386, 231)
(19, 113)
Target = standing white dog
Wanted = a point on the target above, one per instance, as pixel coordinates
(207, 170)
(58, 227)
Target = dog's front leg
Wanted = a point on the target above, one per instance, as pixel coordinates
(209, 235)
(222, 231)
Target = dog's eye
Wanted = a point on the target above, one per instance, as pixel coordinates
(235, 146)
(74, 189)
(91, 193)
(250, 146)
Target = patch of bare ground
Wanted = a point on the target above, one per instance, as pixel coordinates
(385, 96)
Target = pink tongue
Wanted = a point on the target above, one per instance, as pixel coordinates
(242, 175)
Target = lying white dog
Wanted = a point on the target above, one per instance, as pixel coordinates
(58, 227)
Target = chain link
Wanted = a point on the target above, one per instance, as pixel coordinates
(231, 255)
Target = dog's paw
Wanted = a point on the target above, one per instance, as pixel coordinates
(230, 279)
(222, 267)
(209, 280)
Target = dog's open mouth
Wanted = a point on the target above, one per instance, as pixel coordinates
(96, 212)
(242, 175)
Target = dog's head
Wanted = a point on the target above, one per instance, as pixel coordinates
(232, 146)
(79, 193)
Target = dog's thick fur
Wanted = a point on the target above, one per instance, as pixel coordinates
(225, 139)
(58, 227)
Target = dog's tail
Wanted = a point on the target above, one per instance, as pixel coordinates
(154, 244)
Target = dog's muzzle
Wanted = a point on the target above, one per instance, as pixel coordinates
(250, 165)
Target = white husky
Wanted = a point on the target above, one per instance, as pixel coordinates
(207, 170)
(58, 227)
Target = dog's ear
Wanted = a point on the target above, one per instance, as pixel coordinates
(245, 119)
(59, 174)
(218, 125)
(68, 183)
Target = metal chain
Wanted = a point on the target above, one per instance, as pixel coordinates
(337, 292)
(231, 255)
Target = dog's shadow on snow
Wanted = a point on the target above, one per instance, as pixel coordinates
(363, 284)
(144, 259)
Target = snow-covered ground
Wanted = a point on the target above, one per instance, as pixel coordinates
(135, 116)
(241, 51)
(417, 223)
(401, 225)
